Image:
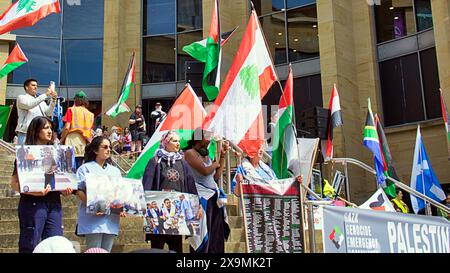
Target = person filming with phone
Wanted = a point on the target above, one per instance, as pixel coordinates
(31, 105)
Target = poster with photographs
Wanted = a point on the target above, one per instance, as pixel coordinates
(171, 213)
(42, 165)
(108, 194)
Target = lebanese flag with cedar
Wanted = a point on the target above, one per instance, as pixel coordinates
(25, 13)
(251, 75)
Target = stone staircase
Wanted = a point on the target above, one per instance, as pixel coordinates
(131, 236)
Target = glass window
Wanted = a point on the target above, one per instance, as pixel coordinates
(263, 7)
(43, 56)
(303, 33)
(401, 90)
(84, 20)
(430, 76)
(182, 57)
(274, 30)
(159, 59)
(49, 26)
(82, 62)
(189, 15)
(423, 15)
(395, 19)
(159, 17)
(299, 3)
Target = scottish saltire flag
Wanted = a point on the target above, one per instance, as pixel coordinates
(423, 178)
(372, 142)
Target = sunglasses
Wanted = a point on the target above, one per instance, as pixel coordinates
(106, 147)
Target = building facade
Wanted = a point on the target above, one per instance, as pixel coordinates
(394, 51)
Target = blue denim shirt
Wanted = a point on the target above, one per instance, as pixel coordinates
(91, 223)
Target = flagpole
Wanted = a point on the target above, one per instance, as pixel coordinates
(427, 212)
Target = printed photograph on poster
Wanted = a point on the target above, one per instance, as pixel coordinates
(172, 213)
(107, 194)
(42, 165)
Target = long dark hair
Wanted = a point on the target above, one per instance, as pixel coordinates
(94, 146)
(35, 127)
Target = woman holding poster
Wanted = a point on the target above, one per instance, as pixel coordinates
(167, 171)
(40, 213)
(100, 229)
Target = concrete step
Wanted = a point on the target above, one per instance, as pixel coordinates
(12, 214)
(127, 223)
(120, 248)
(11, 240)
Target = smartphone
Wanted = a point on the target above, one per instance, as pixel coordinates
(52, 86)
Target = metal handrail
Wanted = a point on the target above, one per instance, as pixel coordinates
(396, 182)
(120, 156)
(118, 165)
(8, 146)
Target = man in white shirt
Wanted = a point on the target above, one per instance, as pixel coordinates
(30, 105)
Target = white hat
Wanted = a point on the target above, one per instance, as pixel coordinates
(55, 244)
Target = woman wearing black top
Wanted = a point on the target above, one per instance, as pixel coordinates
(167, 171)
(40, 213)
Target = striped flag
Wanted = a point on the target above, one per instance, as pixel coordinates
(209, 53)
(389, 186)
(25, 13)
(285, 145)
(14, 61)
(251, 75)
(335, 120)
(128, 82)
(372, 142)
(185, 115)
(446, 121)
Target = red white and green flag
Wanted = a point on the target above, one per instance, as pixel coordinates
(335, 120)
(185, 115)
(285, 152)
(446, 121)
(15, 60)
(25, 13)
(251, 75)
(128, 82)
(208, 51)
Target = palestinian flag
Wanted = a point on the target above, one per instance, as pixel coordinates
(335, 120)
(372, 143)
(209, 53)
(128, 82)
(386, 155)
(251, 75)
(446, 121)
(15, 60)
(25, 13)
(185, 115)
(284, 143)
(5, 111)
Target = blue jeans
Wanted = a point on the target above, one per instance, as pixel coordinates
(21, 137)
(102, 240)
(38, 220)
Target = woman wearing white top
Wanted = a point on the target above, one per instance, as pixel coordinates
(100, 230)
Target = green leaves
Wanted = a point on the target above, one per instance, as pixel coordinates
(26, 4)
(250, 80)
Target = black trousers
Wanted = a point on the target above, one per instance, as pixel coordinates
(174, 242)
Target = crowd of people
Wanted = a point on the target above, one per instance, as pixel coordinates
(191, 171)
